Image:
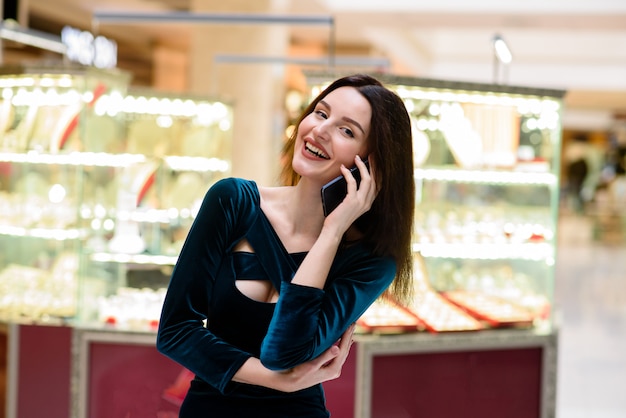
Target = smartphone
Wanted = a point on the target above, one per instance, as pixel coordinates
(336, 190)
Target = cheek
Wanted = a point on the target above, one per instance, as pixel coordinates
(364, 149)
(347, 150)
(307, 124)
(300, 134)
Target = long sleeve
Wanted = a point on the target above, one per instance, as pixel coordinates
(181, 334)
(307, 321)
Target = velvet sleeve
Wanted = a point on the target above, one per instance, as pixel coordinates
(181, 334)
(307, 320)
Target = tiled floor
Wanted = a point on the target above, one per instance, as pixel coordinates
(590, 298)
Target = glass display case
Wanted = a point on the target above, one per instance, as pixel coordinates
(487, 182)
(138, 205)
(99, 184)
(43, 153)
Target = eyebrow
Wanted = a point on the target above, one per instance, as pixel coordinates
(349, 120)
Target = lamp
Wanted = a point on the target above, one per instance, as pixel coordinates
(502, 57)
(502, 50)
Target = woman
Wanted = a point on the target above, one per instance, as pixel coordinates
(280, 285)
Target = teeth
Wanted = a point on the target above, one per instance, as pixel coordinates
(316, 151)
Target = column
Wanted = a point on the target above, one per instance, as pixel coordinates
(256, 90)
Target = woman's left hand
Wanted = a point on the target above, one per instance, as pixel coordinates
(326, 367)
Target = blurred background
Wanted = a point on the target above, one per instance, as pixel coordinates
(255, 54)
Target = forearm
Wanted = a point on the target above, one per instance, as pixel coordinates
(326, 366)
(308, 319)
(314, 269)
(252, 372)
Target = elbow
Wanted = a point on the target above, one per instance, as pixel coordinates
(283, 359)
(276, 363)
(164, 342)
(161, 344)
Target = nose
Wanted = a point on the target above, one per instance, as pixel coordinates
(320, 131)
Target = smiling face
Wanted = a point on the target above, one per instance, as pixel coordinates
(333, 134)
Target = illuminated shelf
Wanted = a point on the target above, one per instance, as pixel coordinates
(485, 176)
(101, 159)
(540, 251)
(46, 233)
(162, 260)
(163, 216)
(199, 164)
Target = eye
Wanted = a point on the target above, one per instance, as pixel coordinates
(348, 132)
(321, 114)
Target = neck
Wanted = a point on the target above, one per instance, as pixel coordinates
(304, 208)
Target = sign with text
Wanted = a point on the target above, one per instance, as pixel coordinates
(85, 48)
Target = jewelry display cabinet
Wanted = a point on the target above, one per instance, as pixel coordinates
(45, 114)
(99, 184)
(486, 171)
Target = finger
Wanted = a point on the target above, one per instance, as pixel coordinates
(363, 170)
(350, 180)
(367, 189)
(328, 355)
(362, 167)
(344, 345)
(346, 338)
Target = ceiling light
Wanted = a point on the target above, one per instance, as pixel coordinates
(502, 50)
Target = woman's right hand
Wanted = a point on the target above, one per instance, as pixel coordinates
(321, 369)
(357, 201)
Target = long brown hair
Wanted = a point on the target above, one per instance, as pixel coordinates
(388, 225)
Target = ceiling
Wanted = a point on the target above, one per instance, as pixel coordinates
(575, 45)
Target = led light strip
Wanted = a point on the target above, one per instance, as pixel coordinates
(491, 177)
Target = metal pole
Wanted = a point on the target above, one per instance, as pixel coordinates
(203, 18)
(332, 45)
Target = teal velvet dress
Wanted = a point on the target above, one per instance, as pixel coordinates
(299, 327)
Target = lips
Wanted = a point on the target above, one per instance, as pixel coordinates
(318, 152)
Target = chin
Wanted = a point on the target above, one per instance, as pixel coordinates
(300, 170)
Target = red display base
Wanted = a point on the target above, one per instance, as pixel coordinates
(505, 373)
(481, 384)
(4, 342)
(340, 393)
(44, 371)
(130, 380)
(133, 380)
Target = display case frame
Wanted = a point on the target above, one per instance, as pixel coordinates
(101, 359)
(509, 351)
